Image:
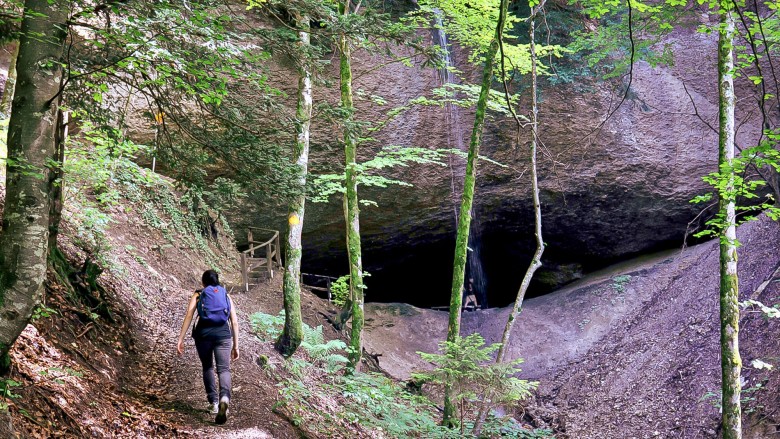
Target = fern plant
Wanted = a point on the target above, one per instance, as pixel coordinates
(266, 327)
(327, 353)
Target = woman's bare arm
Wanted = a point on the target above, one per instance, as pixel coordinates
(234, 327)
(187, 320)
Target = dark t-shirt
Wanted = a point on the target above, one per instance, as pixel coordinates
(206, 331)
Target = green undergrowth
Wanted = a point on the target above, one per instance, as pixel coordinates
(324, 399)
(102, 180)
(339, 289)
(748, 399)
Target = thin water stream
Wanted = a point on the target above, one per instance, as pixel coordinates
(475, 283)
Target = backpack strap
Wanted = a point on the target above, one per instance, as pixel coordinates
(228, 302)
(198, 304)
(196, 314)
(230, 311)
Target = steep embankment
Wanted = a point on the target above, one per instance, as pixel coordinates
(631, 351)
(99, 359)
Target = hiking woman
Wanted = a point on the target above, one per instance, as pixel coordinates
(216, 338)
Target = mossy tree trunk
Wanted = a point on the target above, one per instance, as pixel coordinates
(352, 211)
(56, 180)
(10, 83)
(731, 364)
(31, 144)
(292, 334)
(467, 201)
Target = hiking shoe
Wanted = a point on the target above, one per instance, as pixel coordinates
(213, 408)
(223, 409)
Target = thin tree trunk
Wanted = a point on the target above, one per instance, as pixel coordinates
(346, 311)
(32, 139)
(467, 201)
(8, 96)
(536, 261)
(352, 210)
(292, 334)
(10, 83)
(56, 180)
(731, 364)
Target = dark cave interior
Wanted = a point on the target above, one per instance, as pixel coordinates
(421, 275)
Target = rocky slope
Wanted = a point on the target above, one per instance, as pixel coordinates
(628, 352)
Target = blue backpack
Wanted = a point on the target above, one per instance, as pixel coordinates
(213, 305)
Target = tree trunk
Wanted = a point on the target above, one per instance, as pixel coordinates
(731, 364)
(352, 211)
(7, 98)
(536, 261)
(56, 180)
(10, 83)
(292, 334)
(32, 139)
(464, 220)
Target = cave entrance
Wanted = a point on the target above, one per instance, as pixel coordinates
(421, 274)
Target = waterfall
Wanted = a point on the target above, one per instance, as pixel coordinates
(475, 281)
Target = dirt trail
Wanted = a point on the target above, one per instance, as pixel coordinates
(176, 383)
(117, 374)
(251, 414)
(254, 393)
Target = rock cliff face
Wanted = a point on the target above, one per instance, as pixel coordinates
(608, 191)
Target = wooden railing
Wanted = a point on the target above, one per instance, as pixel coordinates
(272, 253)
(318, 282)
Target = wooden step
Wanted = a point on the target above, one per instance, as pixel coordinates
(252, 263)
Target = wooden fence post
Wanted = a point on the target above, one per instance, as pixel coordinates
(250, 239)
(244, 273)
(269, 260)
(278, 251)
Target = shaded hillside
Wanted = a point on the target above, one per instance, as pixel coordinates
(631, 351)
(99, 358)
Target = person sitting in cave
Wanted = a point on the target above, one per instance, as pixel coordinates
(216, 326)
(470, 302)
